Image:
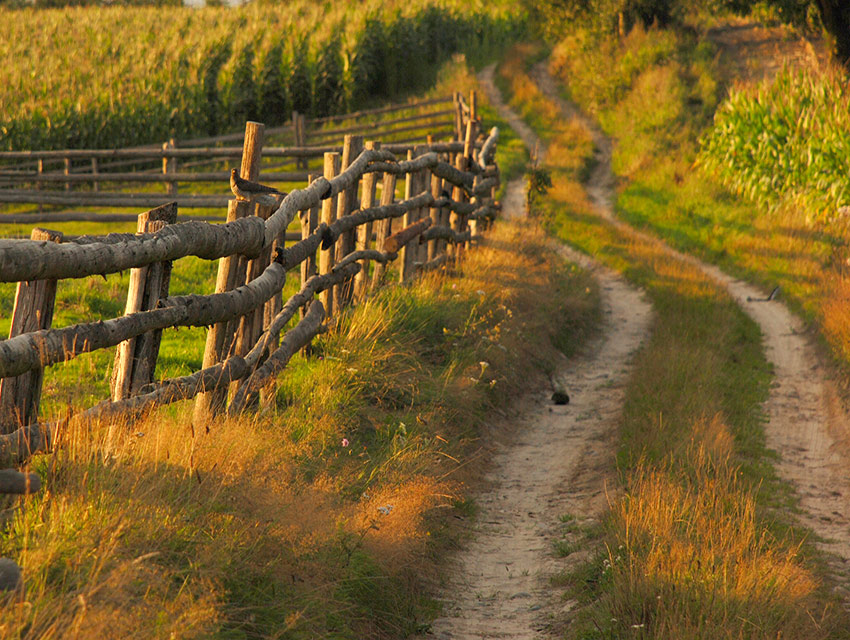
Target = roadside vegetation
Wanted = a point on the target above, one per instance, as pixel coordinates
(89, 77)
(699, 541)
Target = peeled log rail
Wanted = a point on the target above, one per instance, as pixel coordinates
(291, 343)
(30, 260)
(446, 233)
(398, 240)
(117, 199)
(19, 445)
(15, 482)
(488, 150)
(362, 216)
(41, 348)
(199, 176)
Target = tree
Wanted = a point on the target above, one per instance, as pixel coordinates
(835, 17)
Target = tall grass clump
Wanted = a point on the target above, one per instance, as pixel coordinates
(785, 139)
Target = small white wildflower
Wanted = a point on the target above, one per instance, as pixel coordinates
(480, 292)
(386, 509)
(638, 626)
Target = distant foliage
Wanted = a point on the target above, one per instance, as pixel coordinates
(273, 98)
(116, 76)
(328, 91)
(243, 102)
(300, 91)
(789, 139)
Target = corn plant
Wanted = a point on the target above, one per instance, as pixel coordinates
(788, 139)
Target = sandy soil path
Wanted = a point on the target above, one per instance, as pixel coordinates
(556, 463)
(806, 424)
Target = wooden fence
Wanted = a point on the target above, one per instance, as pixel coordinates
(340, 217)
(50, 177)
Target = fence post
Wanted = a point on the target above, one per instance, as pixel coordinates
(231, 274)
(468, 154)
(326, 256)
(94, 173)
(135, 359)
(364, 231)
(67, 172)
(34, 301)
(309, 222)
(384, 226)
(352, 146)
(473, 105)
(458, 116)
(169, 165)
(40, 185)
(408, 253)
(299, 134)
(436, 213)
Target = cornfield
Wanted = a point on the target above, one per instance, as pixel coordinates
(787, 140)
(117, 76)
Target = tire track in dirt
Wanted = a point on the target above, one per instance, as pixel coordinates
(806, 424)
(556, 461)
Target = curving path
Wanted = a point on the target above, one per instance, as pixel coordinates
(806, 424)
(557, 464)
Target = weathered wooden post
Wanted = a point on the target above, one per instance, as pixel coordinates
(409, 252)
(468, 154)
(352, 146)
(135, 359)
(384, 226)
(364, 231)
(95, 183)
(326, 256)
(34, 301)
(169, 165)
(231, 274)
(436, 213)
(458, 116)
(473, 105)
(40, 185)
(299, 131)
(309, 221)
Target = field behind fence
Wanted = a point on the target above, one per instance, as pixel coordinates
(77, 184)
(353, 228)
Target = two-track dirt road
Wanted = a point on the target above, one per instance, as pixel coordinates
(560, 458)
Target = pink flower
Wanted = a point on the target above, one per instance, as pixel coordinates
(345, 442)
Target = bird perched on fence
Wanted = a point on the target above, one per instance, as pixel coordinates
(247, 190)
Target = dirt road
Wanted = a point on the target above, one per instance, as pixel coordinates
(557, 464)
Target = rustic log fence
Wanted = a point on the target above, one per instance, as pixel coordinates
(344, 232)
